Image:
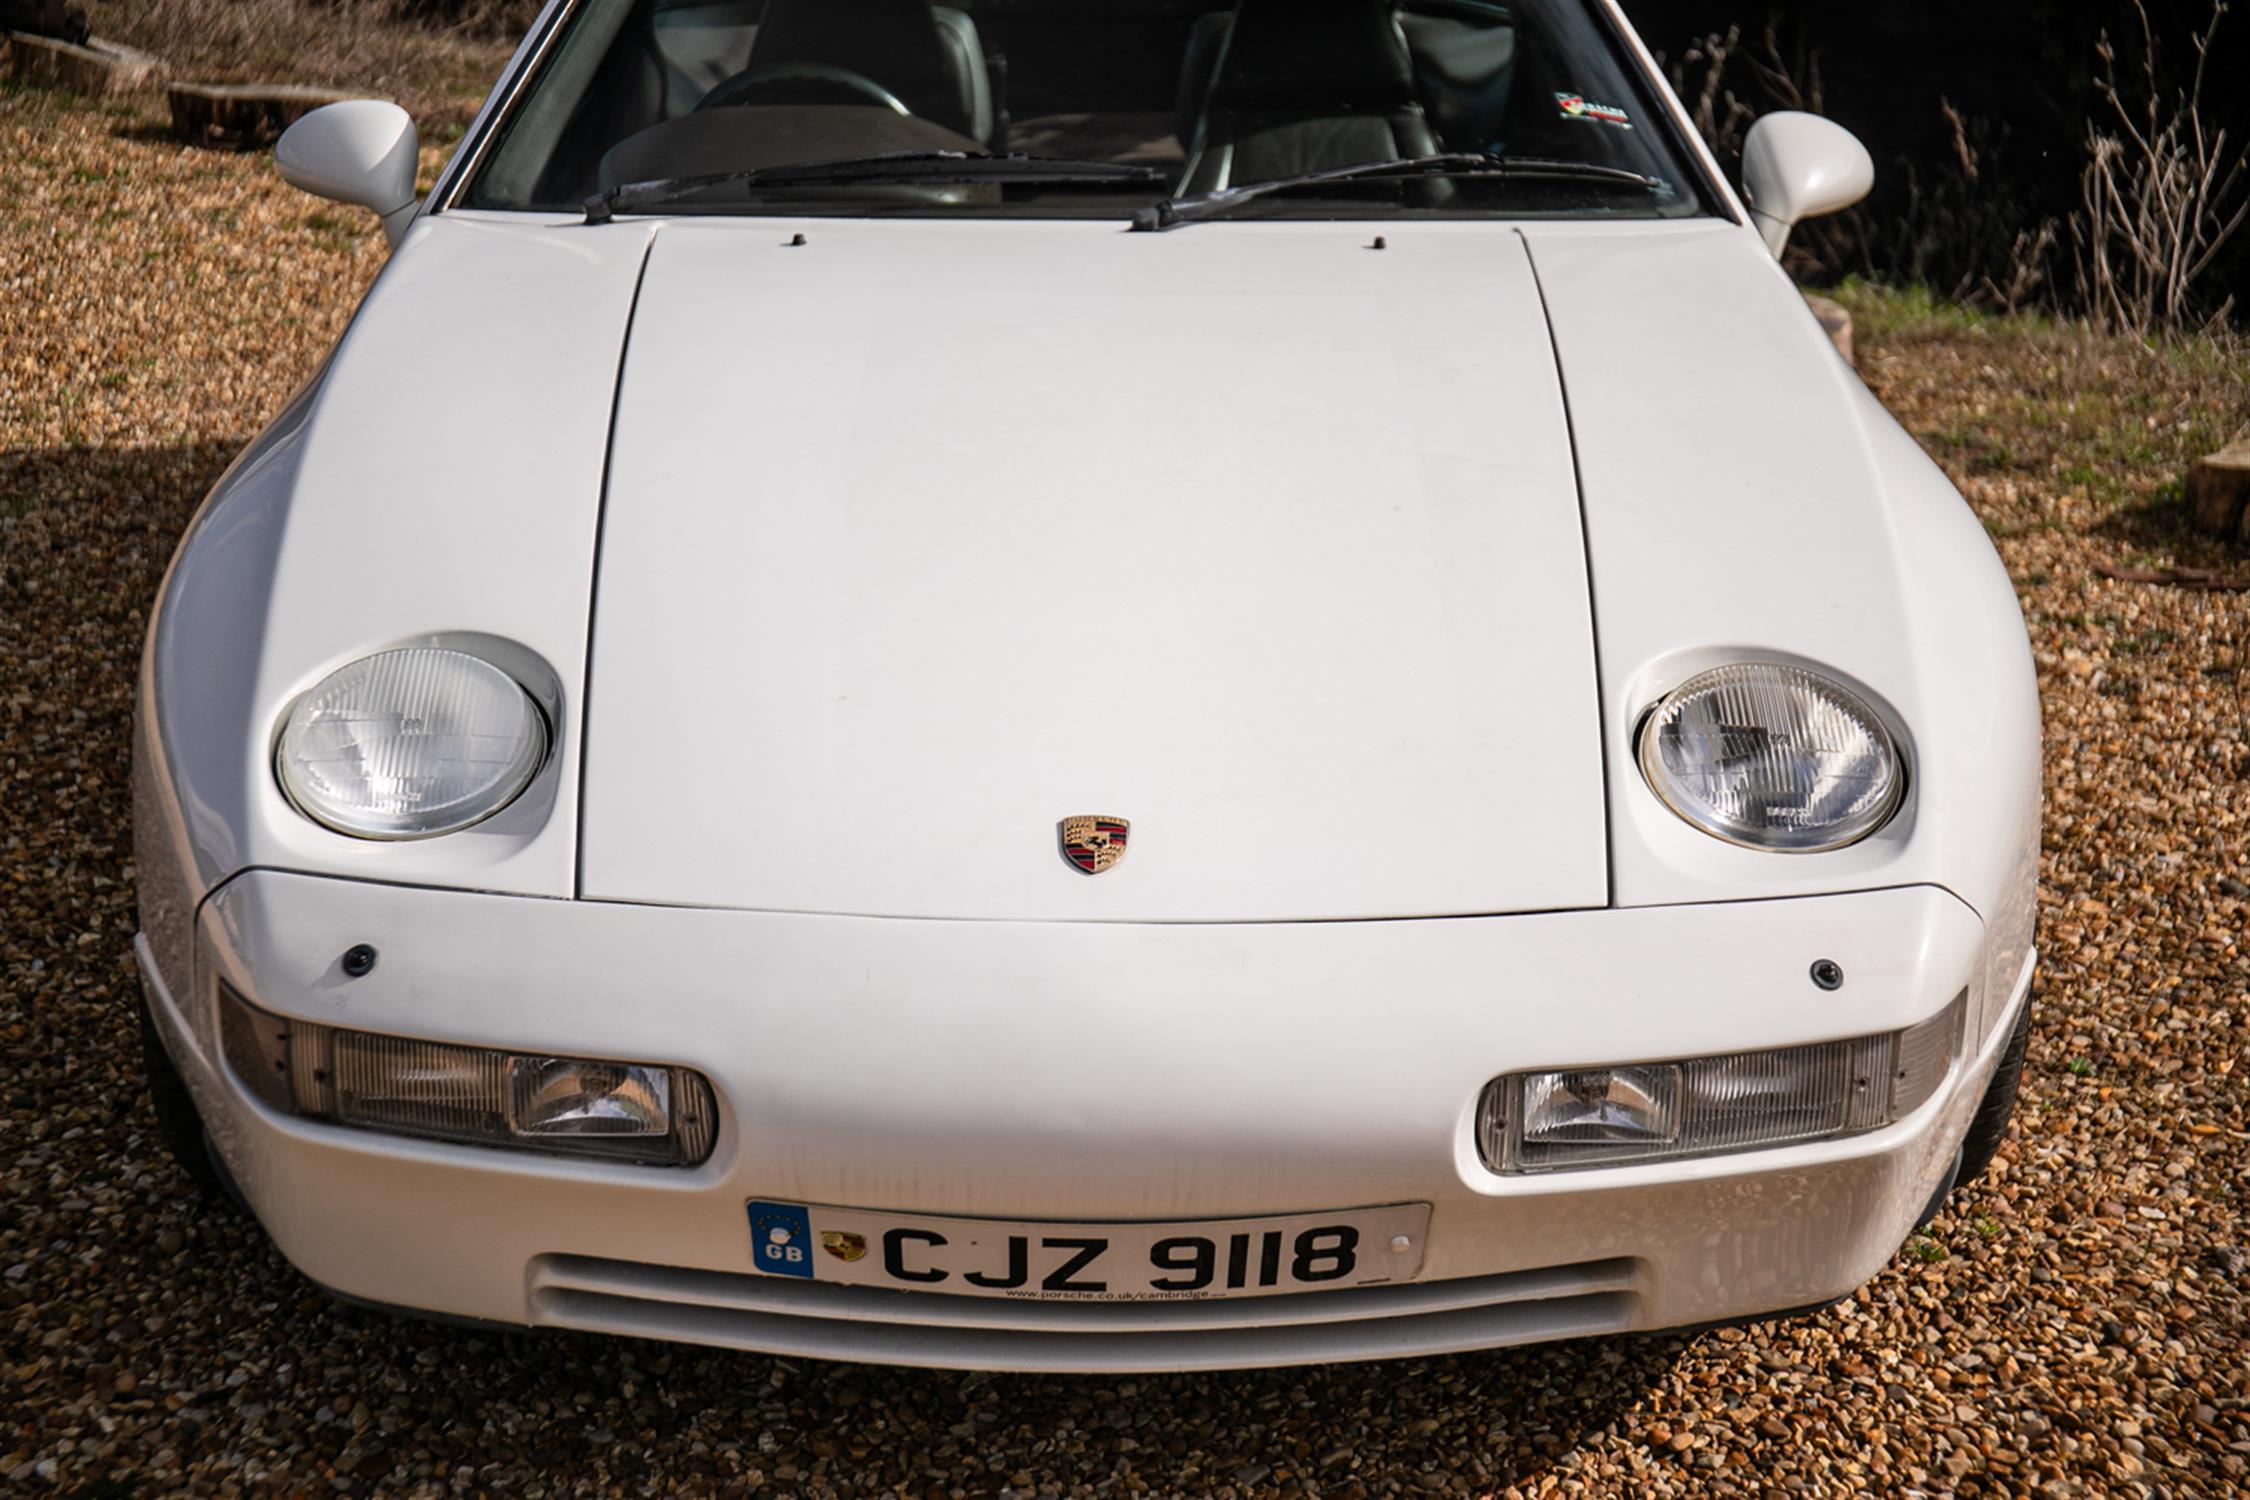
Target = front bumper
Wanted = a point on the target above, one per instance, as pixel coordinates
(1083, 1072)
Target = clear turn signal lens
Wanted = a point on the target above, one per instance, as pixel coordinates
(568, 1096)
(1590, 1117)
(1634, 1107)
(476, 1096)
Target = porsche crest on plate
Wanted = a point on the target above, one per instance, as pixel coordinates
(1093, 844)
(843, 1244)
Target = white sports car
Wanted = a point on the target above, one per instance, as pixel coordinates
(1042, 686)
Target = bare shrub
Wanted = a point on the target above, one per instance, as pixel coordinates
(1959, 229)
(1779, 78)
(2023, 277)
(2163, 193)
(1776, 77)
(1699, 77)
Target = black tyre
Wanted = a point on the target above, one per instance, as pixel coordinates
(1990, 1127)
(178, 1124)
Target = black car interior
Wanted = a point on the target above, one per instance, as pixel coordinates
(1303, 85)
(1217, 95)
(904, 55)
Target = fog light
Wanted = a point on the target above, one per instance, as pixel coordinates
(1588, 1117)
(476, 1096)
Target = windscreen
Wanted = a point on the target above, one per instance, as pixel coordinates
(1198, 99)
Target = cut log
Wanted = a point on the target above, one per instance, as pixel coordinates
(1838, 323)
(2218, 491)
(243, 114)
(97, 70)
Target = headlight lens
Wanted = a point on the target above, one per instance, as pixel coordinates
(474, 1096)
(1594, 1117)
(1772, 757)
(408, 744)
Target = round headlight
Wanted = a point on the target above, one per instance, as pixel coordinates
(408, 744)
(1772, 757)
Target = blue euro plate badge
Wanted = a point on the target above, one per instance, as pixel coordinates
(781, 1239)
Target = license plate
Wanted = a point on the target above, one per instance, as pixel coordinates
(1129, 1262)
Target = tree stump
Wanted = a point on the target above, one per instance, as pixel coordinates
(2218, 490)
(243, 114)
(97, 70)
(1838, 323)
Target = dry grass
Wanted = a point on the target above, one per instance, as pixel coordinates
(438, 69)
(2055, 425)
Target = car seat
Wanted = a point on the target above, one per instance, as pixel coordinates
(930, 57)
(1464, 67)
(1306, 85)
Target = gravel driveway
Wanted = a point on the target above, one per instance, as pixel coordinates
(2075, 1325)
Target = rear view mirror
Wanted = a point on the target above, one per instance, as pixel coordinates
(1798, 166)
(362, 151)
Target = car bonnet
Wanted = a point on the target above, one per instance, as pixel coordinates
(920, 539)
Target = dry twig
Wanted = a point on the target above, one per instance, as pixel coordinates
(2163, 193)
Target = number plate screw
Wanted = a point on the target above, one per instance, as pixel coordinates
(1400, 1244)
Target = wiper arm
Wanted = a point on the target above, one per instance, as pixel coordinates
(890, 167)
(1170, 211)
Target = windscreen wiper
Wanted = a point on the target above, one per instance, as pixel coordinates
(1170, 211)
(890, 167)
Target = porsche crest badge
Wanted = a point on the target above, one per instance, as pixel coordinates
(1093, 844)
(843, 1244)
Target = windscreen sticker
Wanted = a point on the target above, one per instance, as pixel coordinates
(1579, 107)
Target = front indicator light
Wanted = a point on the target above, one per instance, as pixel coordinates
(652, 1114)
(1598, 1117)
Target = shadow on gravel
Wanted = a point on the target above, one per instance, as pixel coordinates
(638, 1411)
(165, 1338)
(2164, 524)
(149, 132)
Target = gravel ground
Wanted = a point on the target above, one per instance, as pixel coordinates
(2074, 1325)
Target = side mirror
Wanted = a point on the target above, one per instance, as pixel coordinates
(362, 151)
(1798, 166)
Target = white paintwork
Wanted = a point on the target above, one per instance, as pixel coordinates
(1362, 580)
(1733, 445)
(441, 480)
(1085, 1071)
(362, 151)
(1797, 166)
(1264, 542)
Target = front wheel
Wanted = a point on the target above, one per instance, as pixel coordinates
(1990, 1127)
(178, 1123)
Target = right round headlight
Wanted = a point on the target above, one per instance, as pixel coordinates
(1773, 757)
(409, 744)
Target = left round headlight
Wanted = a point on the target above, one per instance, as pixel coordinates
(1773, 757)
(410, 744)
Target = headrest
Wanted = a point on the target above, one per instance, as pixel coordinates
(1323, 56)
(894, 42)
